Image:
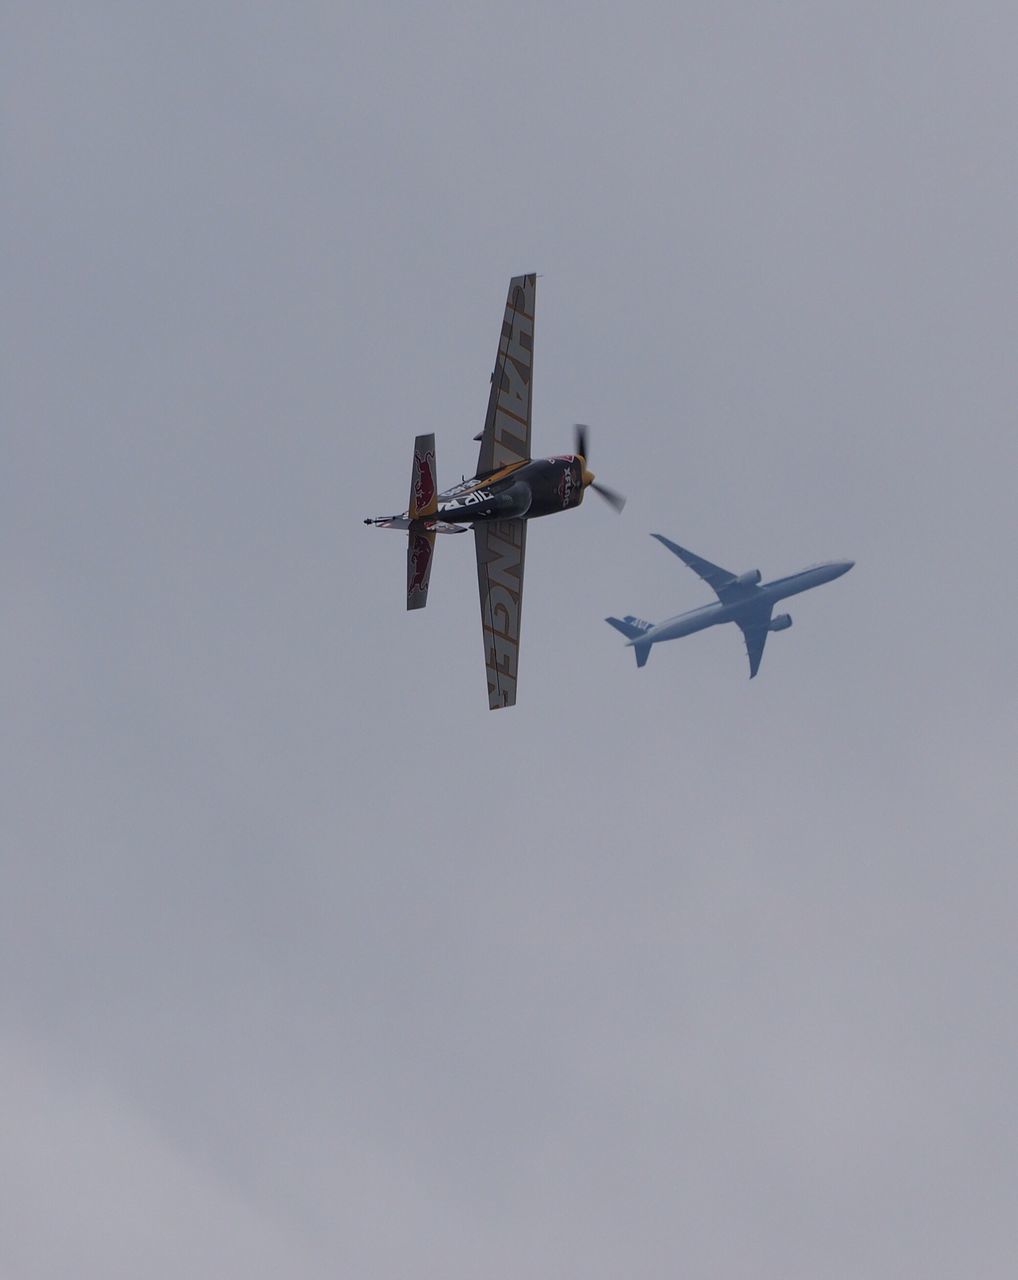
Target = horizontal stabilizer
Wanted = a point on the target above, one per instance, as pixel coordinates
(423, 486)
(630, 627)
(419, 552)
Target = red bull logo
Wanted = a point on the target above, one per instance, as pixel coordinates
(424, 480)
(420, 558)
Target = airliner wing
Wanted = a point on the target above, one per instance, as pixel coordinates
(712, 574)
(754, 630)
(506, 435)
(501, 546)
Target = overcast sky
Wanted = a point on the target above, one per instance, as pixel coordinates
(310, 965)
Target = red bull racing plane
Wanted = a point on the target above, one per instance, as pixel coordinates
(508, 489)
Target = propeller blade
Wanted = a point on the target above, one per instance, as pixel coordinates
(581, 439)
(610, 496)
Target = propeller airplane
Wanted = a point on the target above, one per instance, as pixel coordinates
(508, 489)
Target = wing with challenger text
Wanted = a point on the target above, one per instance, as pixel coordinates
(501, 546)
(506, 436)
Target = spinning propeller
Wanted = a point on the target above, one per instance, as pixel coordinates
(610, 496)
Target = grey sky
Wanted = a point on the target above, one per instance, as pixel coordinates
(311, 964)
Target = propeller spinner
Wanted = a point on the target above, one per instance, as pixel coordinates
(613, 498)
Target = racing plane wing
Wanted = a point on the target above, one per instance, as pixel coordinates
(506, 435)
(712, 574)
(501, 546)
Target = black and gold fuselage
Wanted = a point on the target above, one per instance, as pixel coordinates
(522, 490)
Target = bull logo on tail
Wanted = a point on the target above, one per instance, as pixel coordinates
(424, 480)
(421, 559)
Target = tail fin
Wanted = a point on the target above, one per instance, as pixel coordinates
(423, 488)
(633, 628)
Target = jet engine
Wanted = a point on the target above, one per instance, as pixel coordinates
(748, 579)
(781, 623)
